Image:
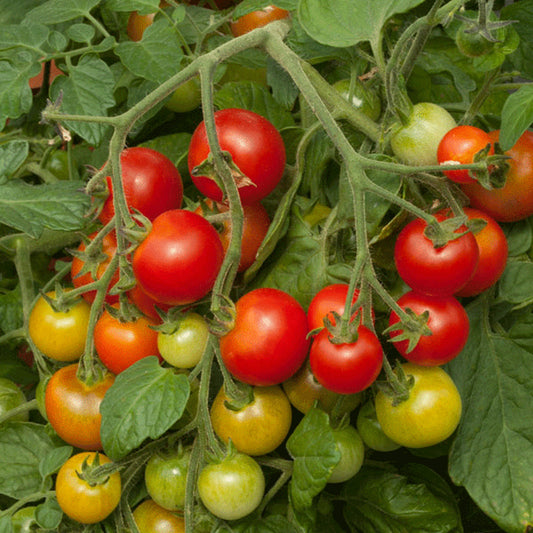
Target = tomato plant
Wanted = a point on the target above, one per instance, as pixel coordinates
(165, 477)
(360, 96)
(178, 261)
(352, 452)
(371, 431)
(120, 343)
(73, 407)
(256, 428)
(448, 326)
(151, 517)
(436, 270)
(232, 487)
(80, 497)
(257, 19)
(60, 335)
(428, 416)
(268, 341)
(11, 396)
(256, 148)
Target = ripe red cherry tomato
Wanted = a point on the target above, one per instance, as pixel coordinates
(73, 407)
(346, 368)
(178, 262)
(268, 342)
(447, 321)
(79, 279)
(120, 344)
(256, 148)
(152, 184)
(493, 253)
(438, 271)
(257, 19)
(461, 144)
(513, 201)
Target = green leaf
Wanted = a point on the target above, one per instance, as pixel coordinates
(27, 37)
(143, 7)
(517, 116)
(11, 316)
(15, 12)
(12, 155)
(56, 11)
(88, 90)
(6, 525)
(22, 446)
(81, 33)
(382, 499)
(15, 93)
(157, 56)
(270, 524)
(522, 13)
(516, 282)
(312, 446)
(54, 460)
(48, 514)
(254, 97)
(32, 208)
(492, 455)
(519, 237)
(145, 400)
(343, 23)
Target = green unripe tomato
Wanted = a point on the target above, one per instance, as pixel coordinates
(415, 143)
(186, 97)
(360, 97)
(352, 450)
(371, 432)
(472, 44)
(10, 397)
(184, 347)
(23, 520)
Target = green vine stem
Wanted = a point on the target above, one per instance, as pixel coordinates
(22, 408)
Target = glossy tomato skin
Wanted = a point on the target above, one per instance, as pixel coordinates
(137, 24)
(352, 451)
(493, 253)
(79, 279)
(461, 144)
(430, 414)
(268, 342)
(152, 184)
(513, 201)
(78, 499)
(179, 260)
(303, 390)
(165, 477)
(233, 487)
(346, 368)
(361, 97)
(73, 408)
(59, 335)
(257, 428)
(416, 142)
(371, 431)
(255, 227)
(437, 271)
(120, 344)
(256, 148)
(257, 19)
(152, 518)
(447, 321)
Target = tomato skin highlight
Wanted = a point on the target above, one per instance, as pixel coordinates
(461, 144)
(73, 408)
(78, 499)
(436, 271)
(513, 201)
(257, 428)
(257, 19)
(179, 260)
(268, 342)
(447, 321)
(346, 368)
(152, 184)
(256, 148)
(431, 413)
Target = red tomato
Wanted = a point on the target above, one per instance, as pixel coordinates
(73, 407)
(447, 321)
(438, 271)
(461, 144)
(152, 184)
(255, 226)
(513, 201)
(346, 368)
(109, 248)
(268, 342)
(179, 260)
(120, 344)
(145, 304)
(493, 253)
(257, 19)
(257, 150)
